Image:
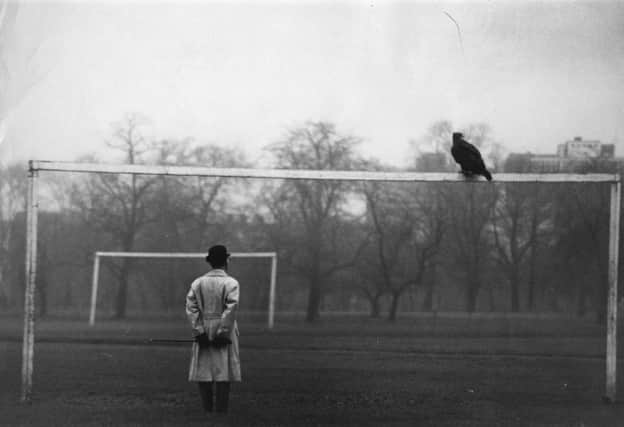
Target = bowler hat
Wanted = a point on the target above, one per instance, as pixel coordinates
(217, 254)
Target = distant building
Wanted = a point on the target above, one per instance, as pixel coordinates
(578, 148)
(432, 162)
(577, 155)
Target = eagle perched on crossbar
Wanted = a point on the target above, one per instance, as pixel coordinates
(468, 157)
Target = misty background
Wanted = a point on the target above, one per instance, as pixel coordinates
(312, 85)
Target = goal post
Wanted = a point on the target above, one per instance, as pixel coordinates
(614, 244)
(180, 255)
(35, 167)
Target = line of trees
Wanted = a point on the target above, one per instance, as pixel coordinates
(387, 246)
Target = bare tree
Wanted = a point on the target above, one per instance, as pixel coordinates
(313, 208)
(582, 230)
(469, 206)
(470, 210)
(210, 195)
(437, 139)
(190, 212)
(406, 238)
(435, 225)
(518, 223)
(12, 202)
(367, 281)
(117, 205)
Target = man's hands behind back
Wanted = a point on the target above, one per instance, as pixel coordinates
(219, 341)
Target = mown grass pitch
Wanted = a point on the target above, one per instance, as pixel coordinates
(311, 377)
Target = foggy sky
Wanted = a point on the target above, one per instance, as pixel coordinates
(240, 74)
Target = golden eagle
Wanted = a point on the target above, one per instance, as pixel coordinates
(468, 157)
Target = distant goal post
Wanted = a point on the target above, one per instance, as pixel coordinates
(36, 166)
(181, 255)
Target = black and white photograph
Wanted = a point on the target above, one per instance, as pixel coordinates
(283, 213)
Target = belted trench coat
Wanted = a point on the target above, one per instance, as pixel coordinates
(211, 306)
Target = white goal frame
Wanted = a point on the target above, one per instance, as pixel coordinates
(37, 166)
(180, 255)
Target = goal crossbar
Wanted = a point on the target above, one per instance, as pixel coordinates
(36, 166)
(332, 175)
(180, 255)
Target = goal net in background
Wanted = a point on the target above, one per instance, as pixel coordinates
(250, 274)
(403, 261)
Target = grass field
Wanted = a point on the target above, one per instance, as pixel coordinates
(334, 373)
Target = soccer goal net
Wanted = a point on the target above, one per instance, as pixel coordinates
(271, 256)
(424, 262)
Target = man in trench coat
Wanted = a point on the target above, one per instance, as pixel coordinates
(211, 306)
